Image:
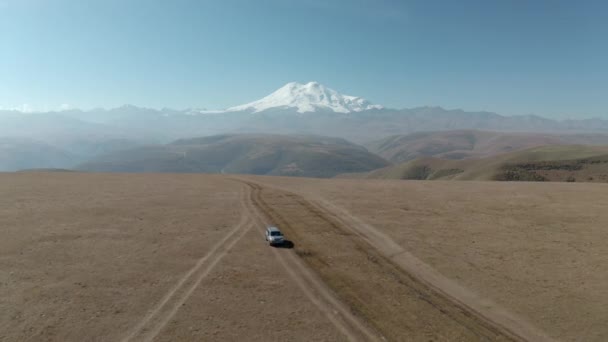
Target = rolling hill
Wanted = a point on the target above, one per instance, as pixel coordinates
(568, 163)
(311, 156)
(462, 144)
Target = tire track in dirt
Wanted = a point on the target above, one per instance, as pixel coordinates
(319, 294)
(486, 312)
(158, 317)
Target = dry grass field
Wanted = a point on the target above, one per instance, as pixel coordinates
(90, 257)
(537, 250)
(182, 257)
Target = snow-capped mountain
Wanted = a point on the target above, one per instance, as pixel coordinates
(308, 97)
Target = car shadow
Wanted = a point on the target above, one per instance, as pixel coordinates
(286, 244)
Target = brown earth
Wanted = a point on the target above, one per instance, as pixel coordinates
(88, 257)
(182, 257)
(534, 250)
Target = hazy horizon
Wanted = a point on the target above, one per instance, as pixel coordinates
(545, 58)
(28, 109)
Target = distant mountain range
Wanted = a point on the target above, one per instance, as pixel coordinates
(293, 109)
(309, 97)
(301, 109)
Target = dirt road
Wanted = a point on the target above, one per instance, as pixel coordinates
(323, 297)
(535, 249)
(437, 298)
(158, 317)
(96, 257)
(182, 257)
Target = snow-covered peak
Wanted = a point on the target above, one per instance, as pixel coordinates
(308, 97)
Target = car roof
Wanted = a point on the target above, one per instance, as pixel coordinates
(273, 229)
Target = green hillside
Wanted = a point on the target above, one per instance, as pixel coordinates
(547, 163)
(464, 144)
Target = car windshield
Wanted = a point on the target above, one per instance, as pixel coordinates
(275, 233)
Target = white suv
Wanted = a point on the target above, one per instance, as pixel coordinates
(274, 236)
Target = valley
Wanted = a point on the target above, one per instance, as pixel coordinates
(305, 130)
(267, 154)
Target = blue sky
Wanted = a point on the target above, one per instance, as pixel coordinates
(512, 57)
